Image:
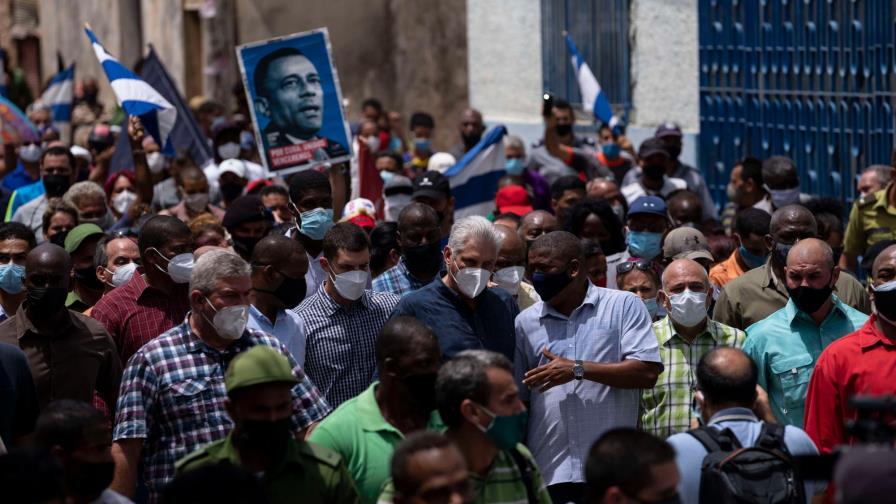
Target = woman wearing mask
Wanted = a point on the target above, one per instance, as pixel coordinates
(515, 164)
(120, 192)
(193, 189)
(595, 220)
(58, 220)
(641, 279)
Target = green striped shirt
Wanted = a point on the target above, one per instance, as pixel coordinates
(666, 409)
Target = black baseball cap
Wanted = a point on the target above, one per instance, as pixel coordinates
(431, 184)
(652, 146)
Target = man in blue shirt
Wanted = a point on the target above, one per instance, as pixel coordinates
(461, 310)
(787, 343)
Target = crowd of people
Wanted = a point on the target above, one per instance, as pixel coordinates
(183, 333)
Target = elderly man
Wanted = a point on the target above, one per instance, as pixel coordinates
(872, 219)
(462, 311)
(342, 317)
(510, 268)
(173, 392)
(535, 224)
(646, 223)
(786, 344)
(860, 363)
(28, 203)
(16, 240)
(89, 199)
(70, 355)
(86, 288)
(684, 335)
(761, 291)
(582, 353)
(873, 179)
(419, 237)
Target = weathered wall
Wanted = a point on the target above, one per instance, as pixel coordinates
(162, 22)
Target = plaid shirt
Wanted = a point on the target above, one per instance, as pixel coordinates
(398, 280)
(340, 355)
(667, 408)
(172, 397)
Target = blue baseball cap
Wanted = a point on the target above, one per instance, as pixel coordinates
(652, 205)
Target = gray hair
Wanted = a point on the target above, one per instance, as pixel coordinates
(81, 191)
(473, 228)
(214, 266)
(514, 142)
(881, 171)
(464, 377)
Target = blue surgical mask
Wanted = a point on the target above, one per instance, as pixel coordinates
(611, 150)
(750, 259)
(514, 166)
(644, 244)
(386, 175)
(651, 305)
(316, 223)
(11, 276)
(423, 145)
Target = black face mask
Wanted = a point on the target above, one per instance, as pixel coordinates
(780, 251)
(885, 303)
(88, 479)
(46, 300)
(422, 390)
(87, 277)
(810, 299)
(423, 259)
(654, 172)
(59, 239)
(271, 438)
(548, 285)
(674, 151)
(230, 192)
(291, 291)
(563, 129)
(470, 141)
(244, 245)
(56, 185)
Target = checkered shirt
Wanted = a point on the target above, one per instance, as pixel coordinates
(340, 356)
(397, 280)
(172, 397)
(667, 408)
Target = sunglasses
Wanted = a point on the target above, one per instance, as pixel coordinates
(624, 267)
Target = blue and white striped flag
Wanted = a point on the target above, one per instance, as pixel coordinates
(474, 179)
(137, 97)
(59, 95)
(594, 99)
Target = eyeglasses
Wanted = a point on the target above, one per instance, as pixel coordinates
(624, 267)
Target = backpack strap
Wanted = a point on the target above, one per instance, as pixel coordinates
(771, 437)
(714, 440)
(526, 473)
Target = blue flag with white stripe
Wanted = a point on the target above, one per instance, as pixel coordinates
(59, 96)
(138, 98)
(594, 99)
(474, 179)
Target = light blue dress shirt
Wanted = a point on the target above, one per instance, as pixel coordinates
(289, 329)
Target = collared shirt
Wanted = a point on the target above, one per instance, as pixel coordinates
(315, 473)
(785, 347)
(399, 281)
(340, 346)
(288, 328)
(689, 452)
(67, 362)
(726, 271)
(31, 214)
(357, 431)
(870, 221)
(172, 397)
(315, 276)
(609, 327)
(180, 211)
(135, 313)
(488, 325)
(758, 293)
(666, 409)
(861, 363)
(634, 191)
(695, 183)
(18, 399)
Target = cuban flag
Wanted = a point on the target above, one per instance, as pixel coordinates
(59, 95)
(474, 179)
(594, 99)
(137, 97)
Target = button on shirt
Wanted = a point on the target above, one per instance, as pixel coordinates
(785, 347)
(489, 325)
(609, 326)
(288, 328)
(398, 280)
(862, 363)
(172, 397)
(666, 409)
(340, 342)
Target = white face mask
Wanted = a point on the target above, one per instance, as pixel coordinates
(30, 153)
(155, 161)
(509, 278)
(471, 281)
(229, 322)
(688, 308)
(196, 201)
(123, 274)
(230, 150)
(123, 200)
(180, 267)
(350, 284)
(373, 143)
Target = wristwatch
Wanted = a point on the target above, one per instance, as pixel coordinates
(578, 370)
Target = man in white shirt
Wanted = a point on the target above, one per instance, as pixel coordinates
(653, 157)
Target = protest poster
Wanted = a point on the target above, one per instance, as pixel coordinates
(296, 103)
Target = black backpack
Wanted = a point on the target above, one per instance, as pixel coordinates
(761, 474)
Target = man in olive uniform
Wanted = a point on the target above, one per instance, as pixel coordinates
(259, 400)
(872, 219)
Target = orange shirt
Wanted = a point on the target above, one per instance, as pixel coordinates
(726, 271)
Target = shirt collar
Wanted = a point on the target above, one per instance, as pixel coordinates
(792, 312)
(369, 415)
(592, 295)
(736, 411)
(869, 335)
(194, 343)
(330, 306)
(882, 197)
(711, 329)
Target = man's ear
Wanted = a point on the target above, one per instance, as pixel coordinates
(102, 274)
(324, 264)
(662, 298)
(737, 240)
(261, 105)
(769, 241)
(835, 275)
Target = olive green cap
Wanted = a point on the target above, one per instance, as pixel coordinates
(260, 364)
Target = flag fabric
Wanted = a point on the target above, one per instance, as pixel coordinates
(137, 97)
(474, 179)
(59, 96)
(594, 99)
(15, 127)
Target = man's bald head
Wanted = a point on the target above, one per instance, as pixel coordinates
(417, 214)
(47, 265)
(513, 250)
(727, 376)
(601, 188)
(793, 217)
(884, 268)
(537, 223)
(813, 251)
(684, 268)
(276, 250)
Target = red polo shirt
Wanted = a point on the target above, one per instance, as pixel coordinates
(864, 363)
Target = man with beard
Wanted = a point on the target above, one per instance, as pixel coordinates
(421, 252)
(471, 129)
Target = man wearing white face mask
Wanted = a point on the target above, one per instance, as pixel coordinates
(116, 261)
(684, 335)
(782, 182)
(463, 313)
(173, 393)
(511, 267)
(226, 138)
(343, 318)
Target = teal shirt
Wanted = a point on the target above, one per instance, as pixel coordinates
(785, 346)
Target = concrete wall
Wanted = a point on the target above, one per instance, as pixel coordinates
(162, 23)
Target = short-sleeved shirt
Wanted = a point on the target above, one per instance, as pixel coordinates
(666, 409)
(31, 213)
(398, 280)
(315, 473)
(69, 362)
(489, 325)
(785, 347)
(357, 431)
(18, 399)
(758, 293)
(634, 191)
(861, 363)
(726, 271)
(288, 328)
(871, 220)
(608, 327)
(173, 392)
(135, 313)
(695, 183)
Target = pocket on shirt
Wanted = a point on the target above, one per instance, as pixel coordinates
(189, 398)
(793, 374)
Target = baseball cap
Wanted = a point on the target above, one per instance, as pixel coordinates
(686, 243)
(431, 184)
(234, 166)
(652, 146)
(652, 205)
(358, 206)
(399, 184)
(78, 234)
(440, 161)
(260, 364)
(513, 199)
(668, 129)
